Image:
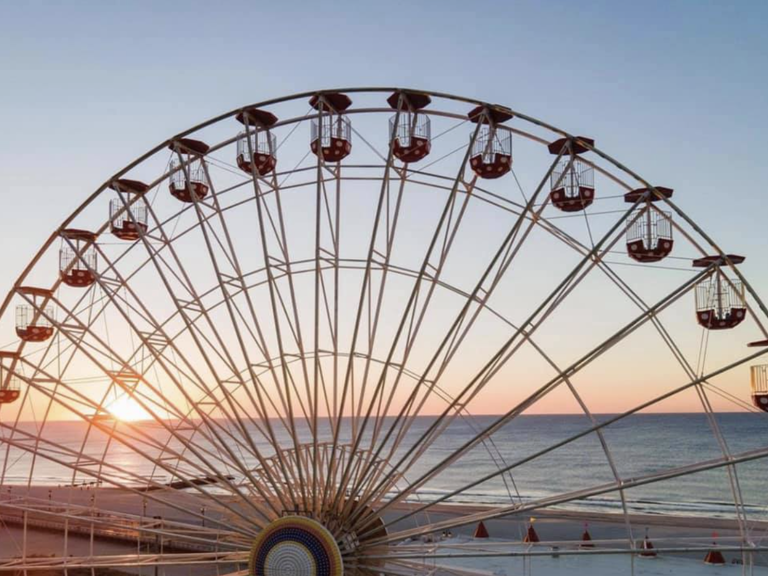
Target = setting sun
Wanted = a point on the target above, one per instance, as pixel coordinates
(127, 409)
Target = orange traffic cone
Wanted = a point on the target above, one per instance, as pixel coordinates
(586, 538)
(481, 531)
(531, 536)
(714, 556)
(647, 547)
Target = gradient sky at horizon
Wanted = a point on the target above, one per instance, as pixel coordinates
(675, 90)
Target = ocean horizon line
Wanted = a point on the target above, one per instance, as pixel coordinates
(423, 416)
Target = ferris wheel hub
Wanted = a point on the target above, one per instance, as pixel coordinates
(295, 546)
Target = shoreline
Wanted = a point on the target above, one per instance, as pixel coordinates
(680, 520)
(114, 495)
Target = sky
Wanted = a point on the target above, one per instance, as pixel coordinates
(675, 90)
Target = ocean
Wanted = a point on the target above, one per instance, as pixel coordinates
(640, 445)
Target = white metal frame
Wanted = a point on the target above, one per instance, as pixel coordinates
(287, 367)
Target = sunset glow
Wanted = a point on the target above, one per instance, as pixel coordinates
(127, 409)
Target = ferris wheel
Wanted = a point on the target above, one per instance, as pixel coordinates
(261, 348)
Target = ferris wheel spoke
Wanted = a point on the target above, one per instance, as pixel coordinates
(374, 315)
(447, 241)
(379, 260)
(161, 455)
(122, 478)
(36, 370)
(235, 279)
(126, 378)
(689, 371)
(330, 311)
(383, 218)
(620, 485)
(155, 342)
(492, 367)
(333, 317)
(232, 415)
(571, 370)
(282, 260)
(146, 403)
(564, 498)
(315, 397)
(235, 276)
(419, 310)
(458, 331)
(326, 249)
(604, 446)
(414, 317)
(701, 391)
(733, 478)
(196, 305)
(446, 227)
(457, 551)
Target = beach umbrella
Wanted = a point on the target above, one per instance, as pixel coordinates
(531, 536)
(481, 531)
(586, 538)
(647, 547)
(714, 556)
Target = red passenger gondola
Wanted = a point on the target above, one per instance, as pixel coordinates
(760, 386)
(260, 155)
(9, 390)
(411, 139)
(77, 258)
(331, 129)
(189, 181)
(572, 180)
(649, 235)
(720, 301)
(128, 214)
(491, 154)
(9, 384)
(33, 321)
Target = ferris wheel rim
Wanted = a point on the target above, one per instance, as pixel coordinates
(56, 234)
(285, 99)
(216, 119)
(377, 89)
